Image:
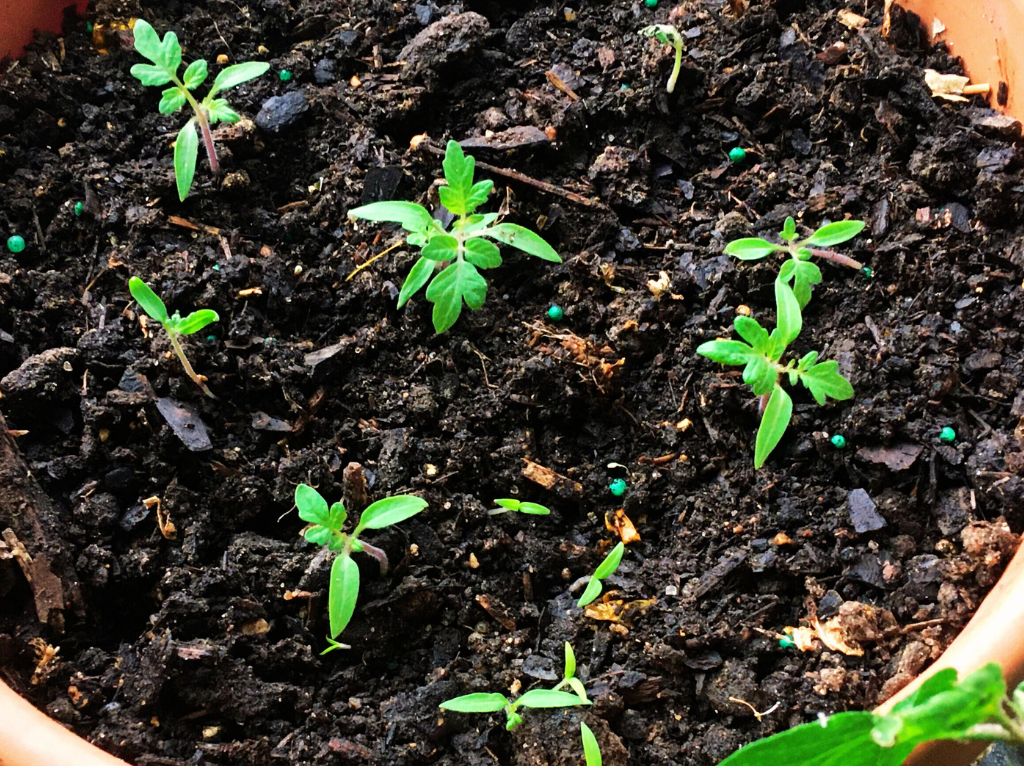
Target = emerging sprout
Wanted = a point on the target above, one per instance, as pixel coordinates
(507, 506)
(761, 353)
(327, 522)
(607, 567)
(539, 698)
(461, 252)
(165, 56)
(591, 749)
(799, 269)
(667, 34)
(174, 325)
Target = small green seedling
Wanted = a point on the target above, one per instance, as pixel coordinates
(569, 679)
(165, 56)
(507, 506)
(460, 253)
(799, 270)
(591, 749)
(761, 354)
(175, 325)
(976, 708)
(327, 522)
(553, 698)
(607, 567)
(666, 34)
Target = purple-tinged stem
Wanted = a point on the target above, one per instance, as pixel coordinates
(836, 258)
(211, 150)
(377, 554)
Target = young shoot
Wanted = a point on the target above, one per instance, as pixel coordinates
(799, 270)
(976, 708)
(607, 567)
(174, 325)
(326, 530)
(165, 56)
(456, 255)
(508, 506)
(761, 355)
(569, 679)
(591, 749)
(666, 34)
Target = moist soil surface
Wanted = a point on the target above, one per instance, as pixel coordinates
(198, 640)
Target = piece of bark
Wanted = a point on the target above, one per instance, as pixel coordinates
(31, 529)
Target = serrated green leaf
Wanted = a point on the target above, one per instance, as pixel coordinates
(458, 172)
(591, 749)
(482, 253)
(411, 216)
(416, 279)
(750, 248)
(773, 426)
(835, 233)
(726, 351)
(475, 223)
(151, 304)
(509, 504)
(591, 593)
(195, 74)
(610, 562)
(570, 663)
(524, 240)
(337, 516)
(543, 698)
(389, 511)
(456, 283)
(195, 321)
(219, 111)
(325, 537)
(170, 53)
(752, 332)
(529, 508)
(788, 232)
(186, 152)
(311, 505)
(342, 593)
(806, 275)
(150, 74)
(236, 74)
(147, 41)
(845, 739)
(824, 381)
(789, 321)
(476, 702)
(171, 100)
(760, 375)
(441, 248)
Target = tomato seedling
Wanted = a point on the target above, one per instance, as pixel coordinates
(165, 56)
(326, 530)
(507, 506)
(607, 567)
(174, 325)
(760, 354)
(799, 270)
(591, 749)
(459, 253)
(666, 34)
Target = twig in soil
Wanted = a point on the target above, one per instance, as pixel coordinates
(757, 715)
(522, 178)
(371, 260)
(483, 366)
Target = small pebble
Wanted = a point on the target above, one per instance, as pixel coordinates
(222, 58)
(555, 312)
(947, 434)
(617, 487)
(211, 337)
(216, 267)
(838, 441)
(737, 154)
(284, 75)
(79, 208)
(15, 243)
(868, 272)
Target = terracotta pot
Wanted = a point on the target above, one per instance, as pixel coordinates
(986, 35)
(982, 36)
(22, 17)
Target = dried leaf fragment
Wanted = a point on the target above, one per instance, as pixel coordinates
(850, 19)
(617, 522)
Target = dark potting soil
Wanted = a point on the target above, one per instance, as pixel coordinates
(188, 649)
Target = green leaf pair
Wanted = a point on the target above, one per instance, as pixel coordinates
(326, 530)
(165, 55)
(515, 505)
(539, 698)
(760, 353)
(607, 567)
(450, 261)
(976, 708)
(799, 270)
